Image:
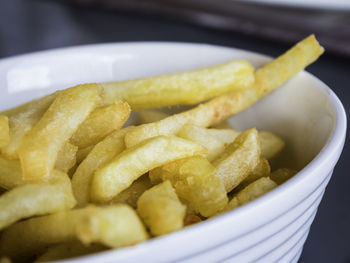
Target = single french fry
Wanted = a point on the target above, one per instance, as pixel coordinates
(119, 174)
(198, 184)
(282, 175)
(188, 87)
(267, 78)
(131, 194)
(35, 199)
(113, 226)
(21, 121)
(4, 131)
(239, 159)
(39, 149)
(271, 144)
(148, 116)
(101, 154)
(100, 123)
(251, 192)
(69, 250)
(161, 209)
(201, 136)
(66, 157)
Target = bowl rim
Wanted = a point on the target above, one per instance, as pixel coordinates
(333, 146)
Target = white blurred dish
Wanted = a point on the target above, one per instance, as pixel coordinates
(305, 112)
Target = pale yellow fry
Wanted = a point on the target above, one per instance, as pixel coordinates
(271, 144)
(10, 173)
(69, 250)
(148, 116)
(198, 184)
(239, 159)
(267, 78)
(131, 194)
(201, 136)
(113, 226)
(161, 209)
(100, 123)
(251, 192)
(21, 121)
(188, 87)
(66, 157)
(101, 154)
(282, 175)
(38, 150)
(4, 131)
(36, 199)
(119, 174)
(82, 153)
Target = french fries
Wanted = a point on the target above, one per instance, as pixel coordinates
(100, 123)
(267, 78)
(119, 174)
(113, 226)
(188, 87)
(35, 199)
(101, 154)
(161, 209)
(173, 170)
(239, 159)
(38, 150)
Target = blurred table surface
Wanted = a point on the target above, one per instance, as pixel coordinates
(27, 26)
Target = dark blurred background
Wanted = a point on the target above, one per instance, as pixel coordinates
(34, 25)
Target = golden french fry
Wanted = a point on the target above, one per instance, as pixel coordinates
(267, 78)
(161, 209)
(4, 131)
(201, 136)
(198, 184)
(271, 144)
(100, 123)
(282, 175)
(251, 192)
(38, 150)
(82, 153)
(148, 116)
(131, 194)
(35, 199)
(10, 173)
(69, 250)
(113, 226)
(66, 157)
(21, 121)
(188, 87)
(101, 154)
(262, 169)
(239, 159)
(119, 174)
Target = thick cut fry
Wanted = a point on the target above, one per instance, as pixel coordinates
(198, 184)
(271, 144)
(38, 150)
(66, 157)
(239, 159)
(113, 226)
(201, 136)
(36, 199)
(161, 209)
(148, 116)
(10, 173)
(251, 192)
(267, 78)
(282, 175)
(101, 154)
(188, 87)
(100, 123)
(131, 194)
(21, 121)
(69, 250)
(4, 131)
(119, 174)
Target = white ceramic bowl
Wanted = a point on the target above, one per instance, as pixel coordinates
(305, 112)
